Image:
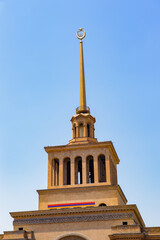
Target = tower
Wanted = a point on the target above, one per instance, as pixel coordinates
(83, 200)
(82, 122)
(85, 170)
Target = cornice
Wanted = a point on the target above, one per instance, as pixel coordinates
(84, 188)
(151, 229)
(112, 211)
(83, 115)
(107, 144)
(152, 237)
(135, 236)
(125, 227)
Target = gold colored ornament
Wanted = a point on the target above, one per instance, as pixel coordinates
(81, 34)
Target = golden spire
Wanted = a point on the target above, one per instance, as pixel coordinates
(82, 107)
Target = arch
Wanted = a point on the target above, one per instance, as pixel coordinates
(88, 130)
(90, 169)
(101, 168)
(55, 172)
(102, 205)
(67, 171)
(78, 170)
(81, 130)
(75, 131)
(72, 236)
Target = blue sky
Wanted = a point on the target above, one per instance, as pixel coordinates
(39, 91)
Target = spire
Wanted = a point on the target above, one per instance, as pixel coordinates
(82, 107)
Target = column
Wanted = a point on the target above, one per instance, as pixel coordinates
(84, 180)
(95, 168)
(77, 130)
(92, 130)
(73, 132)
(85, 130)
(50, 171)
(60, 172)
(72, 171)
(108, 169)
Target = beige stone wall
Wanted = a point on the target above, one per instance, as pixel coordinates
(113, 170)
(92, 223)
(98, 230)
(99, 194)
(17, 235)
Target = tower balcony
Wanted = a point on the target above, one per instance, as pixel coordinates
(82, 109)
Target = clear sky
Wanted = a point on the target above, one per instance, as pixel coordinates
(39, 91)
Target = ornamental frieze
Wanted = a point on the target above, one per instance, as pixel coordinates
(78, 218)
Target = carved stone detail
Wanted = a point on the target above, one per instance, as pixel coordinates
(78, 218)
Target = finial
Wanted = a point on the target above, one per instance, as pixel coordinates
(82, 106)
(81, 34)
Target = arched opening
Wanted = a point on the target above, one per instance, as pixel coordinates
(78, 170)
(75, 131)
(90, 169)
(81, 130)
(55, 172)
(102, 205)
(88, 130)
(73, 237)
(67, 171)
(101, 168)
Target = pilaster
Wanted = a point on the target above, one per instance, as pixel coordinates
(50, 171)
(61, 172)
(85, 130)
(108, 169)
(84, 180)
(72, 171)
(95, 160)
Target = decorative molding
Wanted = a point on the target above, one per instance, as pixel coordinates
(81, 210)
(105, 210)
(133, 236)
(83, 187)
(152, 230)
(125, 227)
(78, 218)
(106, 144)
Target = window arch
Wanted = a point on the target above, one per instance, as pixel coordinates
(101, 168)
(78, 170)
(67, 171)
(74, 130)
(55, 174)
(102, 205)
(81, 130)
(90, 169)
(72, 237)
